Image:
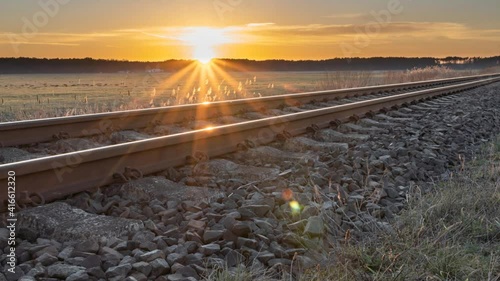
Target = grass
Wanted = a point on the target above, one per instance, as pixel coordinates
(450, 233)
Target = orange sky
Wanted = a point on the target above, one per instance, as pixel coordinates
(258, 29)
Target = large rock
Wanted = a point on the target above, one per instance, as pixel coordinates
(63, 222)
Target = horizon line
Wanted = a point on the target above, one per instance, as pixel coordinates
(263, 60)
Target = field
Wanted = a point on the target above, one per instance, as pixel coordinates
(24, 97)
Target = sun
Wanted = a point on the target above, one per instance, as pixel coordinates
(203, 41)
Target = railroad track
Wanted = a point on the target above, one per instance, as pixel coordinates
(45, 130)
(40, 138)
(50, 178)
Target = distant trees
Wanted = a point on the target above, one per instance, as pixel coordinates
(89, 65)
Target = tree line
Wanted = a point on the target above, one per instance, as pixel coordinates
(24, 65)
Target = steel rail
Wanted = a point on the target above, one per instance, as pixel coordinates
(43, 130)
(58, 176)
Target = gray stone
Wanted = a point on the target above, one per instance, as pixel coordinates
(177, 277)
(175, 257)
(27, 234)
(26, 278)
(175, 267)
(90, 246)
(46, 259)
(188, 271)
(234, 258)
(4, 237)
(159, 267)
(18, 273)
(150, 256)
(37, 271)
(251, 243)
(106, 251)
(197, 225)
(305, 262)
(91, 261)
(118, 271)
(391, 192)
(143, 237)
(259, 210)
(96, 272)
(57, 220)
(297, 225)
(66, 253)
(265, 256)
(241, 228)
(142, 267)
(196, 258)
(43, 249)
(209, 249)
(314, 226)
(139, 276)
(78, 276)
(212, 235)
(25, 267)
(63, 271)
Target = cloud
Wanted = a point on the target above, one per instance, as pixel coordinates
(324, 33)
(258, 24)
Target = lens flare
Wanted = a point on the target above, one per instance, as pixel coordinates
(287, 194)
(295, 206)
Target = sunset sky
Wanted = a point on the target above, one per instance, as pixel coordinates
(256, 29)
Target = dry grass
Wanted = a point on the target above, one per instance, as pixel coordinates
(351, 79)
(427, 73)
(347, 79)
